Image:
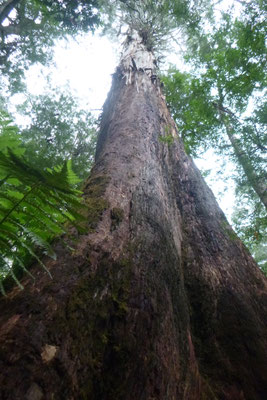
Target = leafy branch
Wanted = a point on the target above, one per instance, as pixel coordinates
(34, 206)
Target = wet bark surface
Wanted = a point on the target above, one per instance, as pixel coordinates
(160, 300)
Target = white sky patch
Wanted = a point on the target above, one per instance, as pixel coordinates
(87, 64)
(227, 5)
(84, 64)
(219, 180)
(35, 79)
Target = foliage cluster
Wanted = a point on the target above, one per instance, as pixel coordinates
(37, 202)
(29, 28)
(34, 204)
(155, 21)
(58, 130)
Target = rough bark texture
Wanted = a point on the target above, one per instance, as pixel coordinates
(160, 300)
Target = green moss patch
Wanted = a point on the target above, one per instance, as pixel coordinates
(116, 215)
(94, 319)
(227, 229)
(169, 139)
(96, 204)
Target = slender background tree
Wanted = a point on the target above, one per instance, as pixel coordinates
(227, 110)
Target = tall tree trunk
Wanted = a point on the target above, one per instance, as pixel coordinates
(256, 182)
(160, 300)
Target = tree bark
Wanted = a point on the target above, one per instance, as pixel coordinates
(160, 300)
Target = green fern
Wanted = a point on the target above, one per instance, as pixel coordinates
(34, 206)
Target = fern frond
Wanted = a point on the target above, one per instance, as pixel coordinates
(23, 267)
(3, 261)
(31, 200)
(62, 176)
(2, 289)
(40, 242)
(33, 254)
(16, 279)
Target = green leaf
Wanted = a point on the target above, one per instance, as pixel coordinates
(34, 205)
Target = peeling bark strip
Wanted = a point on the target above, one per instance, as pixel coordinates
(160, 300)
(135, 57)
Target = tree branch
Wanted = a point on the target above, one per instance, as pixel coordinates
(6, 8)
(17, 29)
(244, 3)
(254, 180)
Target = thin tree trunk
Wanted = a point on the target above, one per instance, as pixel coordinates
(160, 300)
(257, 183)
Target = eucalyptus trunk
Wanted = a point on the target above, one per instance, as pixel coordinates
(160, 299)
(256, 182)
